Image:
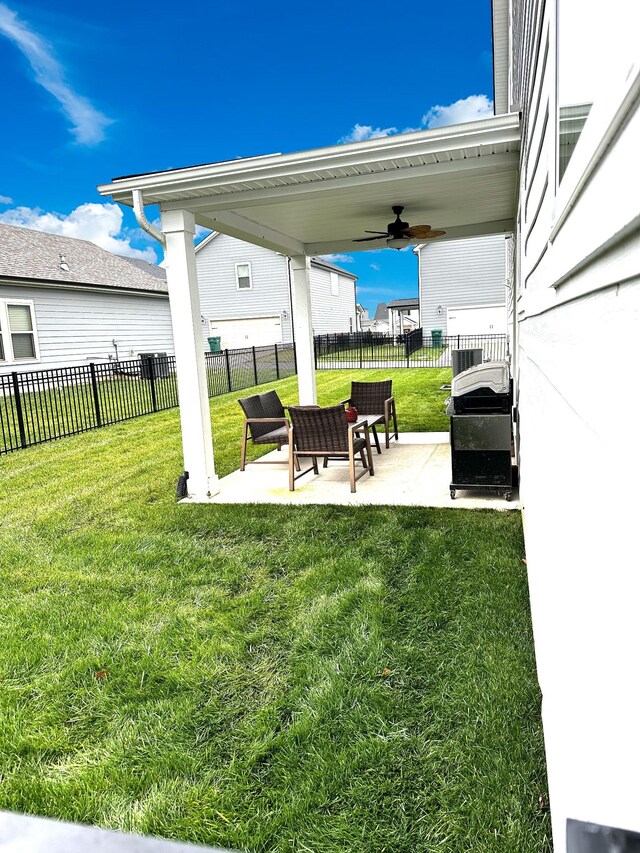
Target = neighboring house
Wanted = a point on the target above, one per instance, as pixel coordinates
(575, 324)
(404, 315)
(245, 294)
(462, 285)
(380, 321)
(362, 315)
(66, 302)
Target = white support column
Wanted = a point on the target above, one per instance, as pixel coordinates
(184, 300)
(303, 328)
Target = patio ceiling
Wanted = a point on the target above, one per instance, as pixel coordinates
(461, 178)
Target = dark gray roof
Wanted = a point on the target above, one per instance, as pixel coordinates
(381, 311)
(34, 255)
(153, 269)
(404, 303)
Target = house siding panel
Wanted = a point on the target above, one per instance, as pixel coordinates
(220, 298)
(270, 295)
(78, 326)
(461, 272)
(579, 300)
(332, 313)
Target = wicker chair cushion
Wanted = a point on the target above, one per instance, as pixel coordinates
(276, 436)
(369, 397)
(264, 406)
(324, 430)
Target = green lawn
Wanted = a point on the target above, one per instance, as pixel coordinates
(272, 678)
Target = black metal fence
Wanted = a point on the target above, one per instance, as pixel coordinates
(415, 349)
(47, 404)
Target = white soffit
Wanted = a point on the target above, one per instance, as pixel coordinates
(461, 178)
(500, 33)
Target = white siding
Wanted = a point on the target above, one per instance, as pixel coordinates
(332, 313)
(78, 326)
(220, 298)
(270, 294)
(460, 272)
(578, 313)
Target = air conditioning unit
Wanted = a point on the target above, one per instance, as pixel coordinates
(463, 359)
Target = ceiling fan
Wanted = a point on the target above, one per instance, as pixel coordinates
(399, 233)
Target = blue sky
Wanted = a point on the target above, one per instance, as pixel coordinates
(93, 91)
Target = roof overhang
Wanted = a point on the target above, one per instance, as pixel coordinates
(461, 178)
(500, 37)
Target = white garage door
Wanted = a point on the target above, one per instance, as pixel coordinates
(254, 332)
(477, 320)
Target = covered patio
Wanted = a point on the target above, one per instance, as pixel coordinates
(460, 179)
(414, 471)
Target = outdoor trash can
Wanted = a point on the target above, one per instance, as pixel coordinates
(214, 344)
(436, 337)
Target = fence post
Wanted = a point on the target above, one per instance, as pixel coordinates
(18, 405)
(226, 358)
(255, 366)
(152, 382)
(295, 360)
(275, 350)
(316, 342)
(96, 397)
(360, 350)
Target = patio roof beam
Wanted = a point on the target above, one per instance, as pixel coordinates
(455, 142)
(283, 193)
(251, 232)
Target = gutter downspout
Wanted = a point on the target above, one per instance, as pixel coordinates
(143, 222)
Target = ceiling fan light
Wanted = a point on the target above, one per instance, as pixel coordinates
(398, 242)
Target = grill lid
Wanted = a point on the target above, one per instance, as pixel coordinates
(491, 376)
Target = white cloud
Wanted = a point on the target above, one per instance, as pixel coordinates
(88, 123)
(99, 223)
(4, 199)
(338, 258)
(375, 267)
(467, 109)
(359, 132)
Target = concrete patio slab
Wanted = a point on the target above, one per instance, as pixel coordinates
(414, 471)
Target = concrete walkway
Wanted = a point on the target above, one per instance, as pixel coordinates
(415, 471)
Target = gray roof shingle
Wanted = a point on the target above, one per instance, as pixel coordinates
(29, 254)
(404, 303)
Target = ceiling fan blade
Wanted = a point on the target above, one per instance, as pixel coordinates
(364, 239)
(384, 233)
(417, 230)
(433, 234)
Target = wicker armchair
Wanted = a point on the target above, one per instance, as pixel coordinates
(317, 432)
(375, 404)
(266, 423)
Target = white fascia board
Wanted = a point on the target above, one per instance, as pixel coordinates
(500, 39)
(492, 130)
(485, 164)
(456, 232)
(319, 263)
(251, 232)
(89, 288)
(206, 240)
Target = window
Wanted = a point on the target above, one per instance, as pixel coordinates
(335, 284)
(243, 276)
(17, 332)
